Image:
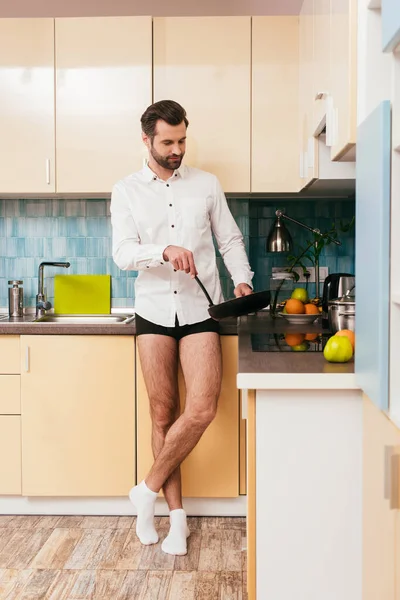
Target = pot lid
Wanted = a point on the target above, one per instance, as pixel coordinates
(343, 300)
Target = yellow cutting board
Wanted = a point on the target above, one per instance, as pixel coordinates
(82, 294)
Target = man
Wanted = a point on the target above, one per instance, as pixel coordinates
(163, 218)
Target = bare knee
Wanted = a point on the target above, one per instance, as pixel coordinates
(163, 414)
(202, 413)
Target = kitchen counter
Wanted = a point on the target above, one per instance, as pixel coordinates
(26, 326)
(286, 369)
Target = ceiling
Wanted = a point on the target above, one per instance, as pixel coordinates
(85, 8)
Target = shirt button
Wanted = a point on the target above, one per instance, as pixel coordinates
(154, 178)
(170, 204)
(172, 225)
(147, 267)
(176, 174)
(167, 184)
(174, 270)
(161, 263)
(175, 292)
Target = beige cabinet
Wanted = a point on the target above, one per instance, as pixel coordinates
(308, 155)
(212, 468)
(78, 415)
(27, 106)
(381, 447)
(10, 420)
(10, 455)
(321, 61)
(204, 63)
(275, 101)
(343, 75)
(103, 85)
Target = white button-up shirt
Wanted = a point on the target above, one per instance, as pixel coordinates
(149, 214)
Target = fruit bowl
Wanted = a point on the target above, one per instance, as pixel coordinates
(301, 319)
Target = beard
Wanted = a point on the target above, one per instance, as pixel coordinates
(170, 162)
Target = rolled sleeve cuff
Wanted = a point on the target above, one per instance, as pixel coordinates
(155, 259)
(243, 278)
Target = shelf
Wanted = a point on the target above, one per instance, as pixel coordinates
(396, 297)
(375, 4)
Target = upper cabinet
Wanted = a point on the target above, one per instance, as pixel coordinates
(27, 106)
(275, 100)
(343, 88)
(103, 85)
(204, 63)
(321, 61)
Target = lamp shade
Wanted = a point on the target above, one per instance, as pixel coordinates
(279, 238)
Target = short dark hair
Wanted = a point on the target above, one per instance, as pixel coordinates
(167, 110)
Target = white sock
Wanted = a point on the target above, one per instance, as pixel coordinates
(175, 542)
(143, 499)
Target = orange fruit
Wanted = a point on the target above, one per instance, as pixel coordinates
(294, 339)
(349, 334)
(311, 336)
(311, 309)
(294, 307)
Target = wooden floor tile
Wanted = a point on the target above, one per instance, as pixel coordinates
(130, 555)
(48, 522)
(152, 557)
(5, 520)
(156, 586)
(95, 522)
(126, 522)
(57, 549)
(210, 551)
(183, 585)
(62, 585)
(207, 586)
(108, 584)
(231, 553)
(190, 562)
(113, 552)
(85, 548)
(70, 522)
(12, 582)
(83, 586)
(15, 542)
(24, 521)
(132, 585)
(31, 544)
(37, 585)
(231, 586)
(5, 536)
(194, 523)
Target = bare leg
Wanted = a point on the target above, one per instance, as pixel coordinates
(200, 356)
(159, 361)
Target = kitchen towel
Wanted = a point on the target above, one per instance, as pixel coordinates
(82, 294)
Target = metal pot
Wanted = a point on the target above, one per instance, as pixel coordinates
(342, 313)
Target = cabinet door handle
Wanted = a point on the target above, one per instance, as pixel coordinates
(48, 171)
(27, 359)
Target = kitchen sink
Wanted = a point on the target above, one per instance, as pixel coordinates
(85, 319)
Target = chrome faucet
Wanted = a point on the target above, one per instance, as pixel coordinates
(41, 303)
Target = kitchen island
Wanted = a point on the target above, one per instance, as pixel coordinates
(304, 449)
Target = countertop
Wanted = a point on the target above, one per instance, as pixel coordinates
(286, 369)
(26, 326)
(256, 369)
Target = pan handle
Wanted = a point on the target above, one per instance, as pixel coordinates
(207, 295)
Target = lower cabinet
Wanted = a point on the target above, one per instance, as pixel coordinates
(78, 415)
(212, 468)
(10, 455)
(381, 521)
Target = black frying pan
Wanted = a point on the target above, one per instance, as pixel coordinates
(237, 307)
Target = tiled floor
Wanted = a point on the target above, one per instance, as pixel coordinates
(80, 558)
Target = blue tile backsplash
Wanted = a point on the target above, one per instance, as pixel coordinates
(80, 231)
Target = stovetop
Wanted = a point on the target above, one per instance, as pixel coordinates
(289, 342)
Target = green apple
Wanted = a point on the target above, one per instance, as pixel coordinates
(338, 349)
(303, 347)
(300, 294)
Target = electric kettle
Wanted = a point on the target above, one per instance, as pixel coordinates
(335, 286)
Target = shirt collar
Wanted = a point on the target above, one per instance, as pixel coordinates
(149, 175)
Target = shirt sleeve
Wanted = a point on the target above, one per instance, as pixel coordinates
(128, 252)
(229, 239)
